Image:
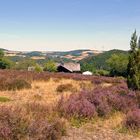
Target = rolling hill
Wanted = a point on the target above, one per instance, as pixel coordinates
(75, 55)
(99, 61)
(91, 57)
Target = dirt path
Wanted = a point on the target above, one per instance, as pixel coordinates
(96, 134)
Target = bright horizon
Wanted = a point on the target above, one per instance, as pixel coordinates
(62, 25)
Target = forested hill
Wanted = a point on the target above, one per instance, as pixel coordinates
(99, 61)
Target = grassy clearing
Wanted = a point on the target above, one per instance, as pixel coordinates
(44, 91)
(43, 97)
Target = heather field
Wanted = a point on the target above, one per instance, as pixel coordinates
(60, 106)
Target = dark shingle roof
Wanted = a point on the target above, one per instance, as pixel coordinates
(73, 67)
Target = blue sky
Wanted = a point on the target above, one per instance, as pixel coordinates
(68, 24)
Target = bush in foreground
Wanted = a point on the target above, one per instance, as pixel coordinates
(18, 123)
(43, 130)
(13, 124)
(132, 120)
(76, 106)
(101, 101)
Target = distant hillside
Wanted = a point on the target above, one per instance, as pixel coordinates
(34, 53)
(66, 56)
(99, 61)
(75, 55)
(93, 57)
(3, 49)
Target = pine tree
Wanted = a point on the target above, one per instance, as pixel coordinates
(133, 68)
(139, 43)
(138, 60)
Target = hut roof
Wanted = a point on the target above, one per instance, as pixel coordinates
(73, 67)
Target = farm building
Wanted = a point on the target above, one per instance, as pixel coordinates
(69, 67)
(31, 68)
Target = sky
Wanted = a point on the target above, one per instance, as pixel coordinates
(61, 25)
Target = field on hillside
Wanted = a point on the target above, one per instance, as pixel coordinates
(55, 106)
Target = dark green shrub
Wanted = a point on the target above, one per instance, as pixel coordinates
(5, 64)
(50, 66)
(102, 72)
(38, 69)
(118, 64)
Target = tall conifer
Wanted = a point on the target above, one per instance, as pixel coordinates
(133, 68)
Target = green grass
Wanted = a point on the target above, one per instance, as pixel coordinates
(124, 130)
(78, 122)
(4, 99)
